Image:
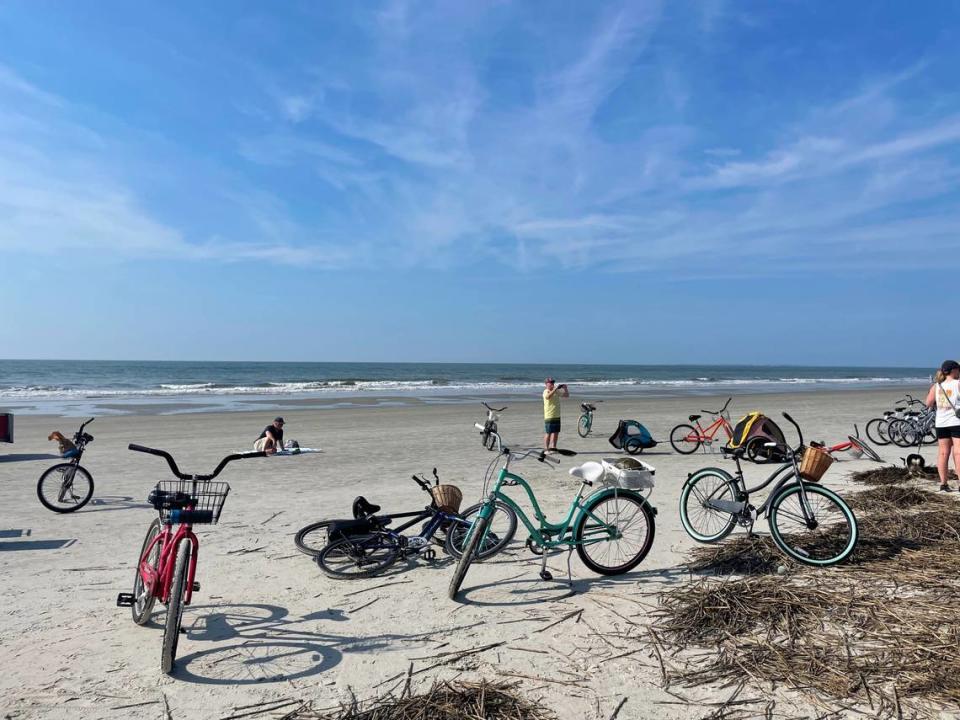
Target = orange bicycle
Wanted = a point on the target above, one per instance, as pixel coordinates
(687, 438)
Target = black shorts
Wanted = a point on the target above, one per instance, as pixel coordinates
(948, 432)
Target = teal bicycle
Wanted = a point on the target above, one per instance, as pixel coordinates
(612, 528)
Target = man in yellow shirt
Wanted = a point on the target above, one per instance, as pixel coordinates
(551, 412)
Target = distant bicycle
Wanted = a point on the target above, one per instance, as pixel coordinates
(67, 487)
(585, 424)
(490, 426)
(686, 439)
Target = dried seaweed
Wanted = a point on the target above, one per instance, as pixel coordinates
(443, 701)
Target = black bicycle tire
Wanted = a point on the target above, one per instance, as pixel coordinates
(880, 422)
(692, 429)
(757, 452)
(376, 570)
(583, 426)
(685, 516)
(815, 489)
(902, 433)
(865, 448)
(77, 469)
(302, 533)
(640, 555)
(142, 615)
(504, 541)
(463, 564)
(633, 446)
(178, 593)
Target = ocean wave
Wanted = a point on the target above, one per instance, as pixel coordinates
(321, 387)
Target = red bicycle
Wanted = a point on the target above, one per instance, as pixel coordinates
(687, 438)
(167, 564)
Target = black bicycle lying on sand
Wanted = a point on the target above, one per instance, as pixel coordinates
(364, 545)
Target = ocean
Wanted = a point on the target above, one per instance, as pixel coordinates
(76, 387)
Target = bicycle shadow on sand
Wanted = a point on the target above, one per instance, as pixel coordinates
(261, 643)
(25, 457)
(532, 590)
(110, 503)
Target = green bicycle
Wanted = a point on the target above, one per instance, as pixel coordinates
(612, 528)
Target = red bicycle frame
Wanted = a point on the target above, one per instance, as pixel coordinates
(707, 434)
(157, 581)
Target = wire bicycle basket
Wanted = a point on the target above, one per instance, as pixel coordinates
(186, 501)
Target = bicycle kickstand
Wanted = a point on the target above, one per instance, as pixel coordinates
(569, 574)
(544, 573)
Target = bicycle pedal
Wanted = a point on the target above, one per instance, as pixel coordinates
(196, 586)
(429, 555)
(183, 631)
(126, 600)
(546, 575)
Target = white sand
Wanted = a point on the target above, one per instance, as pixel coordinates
(268, 625)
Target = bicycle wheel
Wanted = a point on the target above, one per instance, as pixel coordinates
(64, 488)
(313, 538)
(902, 433)
(631, 516)
(503, 526)
(583, 426)
(685, 439)
(178, 596)
(359, 556)
(144, 599)
(757, 450)
(633, 446)
(864, 448)
(469, 553)
(827, 539)
(703, 522)
(877, 431)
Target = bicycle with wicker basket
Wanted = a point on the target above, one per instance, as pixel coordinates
(365, 546)
(808, 522)
(167, 563)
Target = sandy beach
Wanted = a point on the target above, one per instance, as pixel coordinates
(267, 625)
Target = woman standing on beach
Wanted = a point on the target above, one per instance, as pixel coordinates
(945, 395)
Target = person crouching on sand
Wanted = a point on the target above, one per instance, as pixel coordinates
(551, 412)
(945, 396)
(271, 439)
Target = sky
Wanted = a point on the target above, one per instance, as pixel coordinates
(642, 182)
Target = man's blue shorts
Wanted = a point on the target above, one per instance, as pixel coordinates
(551, 426)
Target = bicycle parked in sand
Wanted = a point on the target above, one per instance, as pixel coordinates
(808, 522)
(611, 528)
(167, 563)
(686, 439)
(585, 423)
(68, 486)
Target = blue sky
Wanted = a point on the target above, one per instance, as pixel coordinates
(507, 181)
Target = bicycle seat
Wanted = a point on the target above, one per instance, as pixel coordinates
(588, 407)
(590, 472)
(911, 413)
(694, 418)
(736, 452)
(888, 413)
(362, 508)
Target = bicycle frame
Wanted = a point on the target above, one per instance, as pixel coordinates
(713, 428)
(169, 542)
(542, 533)
(779, 476)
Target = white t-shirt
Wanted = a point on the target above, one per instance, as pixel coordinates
(946, 392)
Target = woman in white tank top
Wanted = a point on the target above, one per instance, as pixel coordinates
(945, 396)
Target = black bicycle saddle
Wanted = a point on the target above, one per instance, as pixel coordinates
(362, 508)
(694, 418)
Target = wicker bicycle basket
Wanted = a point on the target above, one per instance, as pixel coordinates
(814, 463)
(447, 497)
(182, 501)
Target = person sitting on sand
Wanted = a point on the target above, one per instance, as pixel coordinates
(945, 396)
(271, 439)
(551, 412)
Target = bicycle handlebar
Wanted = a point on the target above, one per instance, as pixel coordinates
(183, 476)
(425, 486)
(493, 409)
(720, 411)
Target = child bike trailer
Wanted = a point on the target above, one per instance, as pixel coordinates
(632, 437)
(753, 431)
